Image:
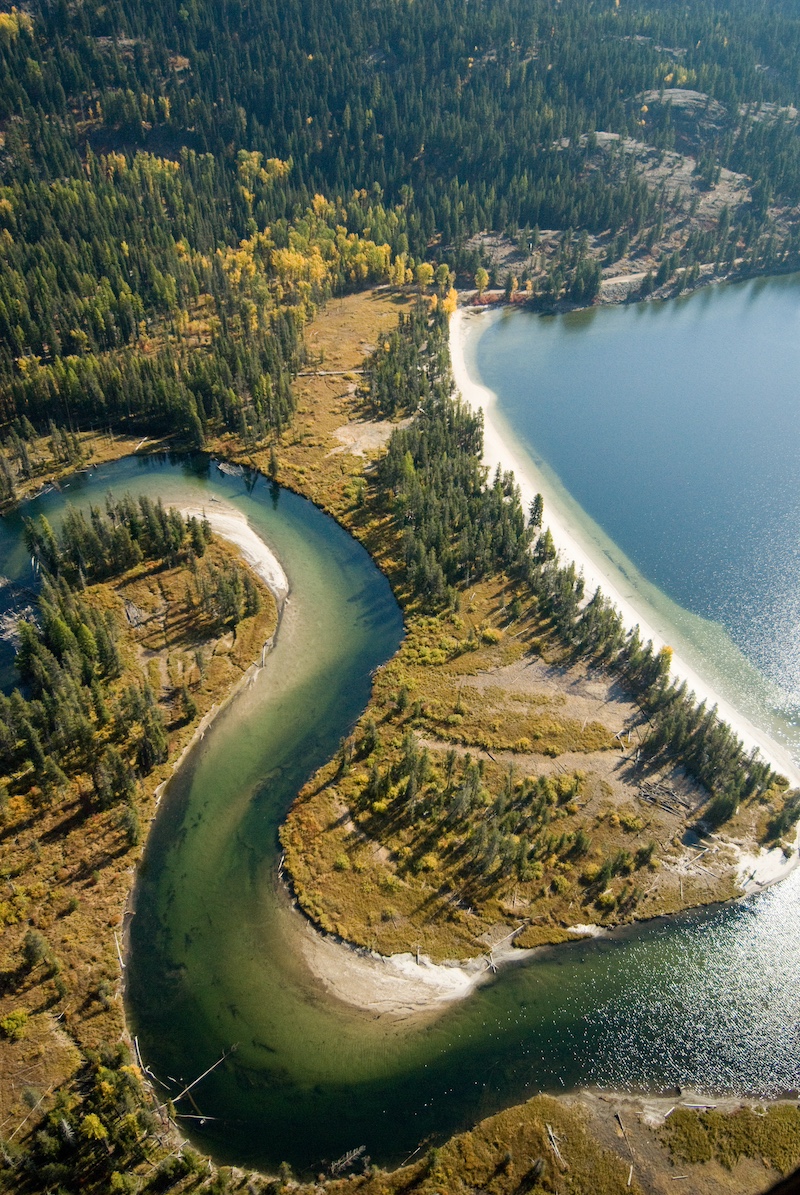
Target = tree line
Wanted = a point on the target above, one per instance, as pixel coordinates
(162, 218)
(457, 525)
(455, 528)
(112, 541)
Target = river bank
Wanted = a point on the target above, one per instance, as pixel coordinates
(78, 854)
(232, 526)
(501, 448)
(417, 987)
(398, 986)
(430, 987)
(401, 985)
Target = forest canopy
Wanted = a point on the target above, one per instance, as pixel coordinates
(181, 184)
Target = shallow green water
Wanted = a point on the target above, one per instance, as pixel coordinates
(712, 1000)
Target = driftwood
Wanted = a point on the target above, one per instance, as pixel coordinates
(666, 797)
(327, 373)
(188, 1088)
(346, 1160)
(554, 1146)
(625, 1135)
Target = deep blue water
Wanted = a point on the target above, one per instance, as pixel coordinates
(676, 427)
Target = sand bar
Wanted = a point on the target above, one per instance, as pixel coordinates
(501, 448)
(397, 986)
(231, 525)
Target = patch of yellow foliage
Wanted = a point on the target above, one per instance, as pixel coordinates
(12, 23)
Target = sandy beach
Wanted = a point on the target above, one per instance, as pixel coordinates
(500, 448)
(397, 986)
(229, 524)
(232, 526)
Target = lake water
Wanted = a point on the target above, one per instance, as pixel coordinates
(709, 1000)
(673, 431)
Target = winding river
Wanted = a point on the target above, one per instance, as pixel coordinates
(710, 1000)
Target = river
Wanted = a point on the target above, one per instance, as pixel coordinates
(710, 1000)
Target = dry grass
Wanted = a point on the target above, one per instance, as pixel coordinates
(312, 459)
(769, 1134)
(395, 874)
(512, 1152)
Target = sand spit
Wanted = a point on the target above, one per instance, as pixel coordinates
(500, 448)
(757, 871)
(397, 986)
(234, 527)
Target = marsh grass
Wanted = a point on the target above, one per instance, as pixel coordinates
(511, 1154)
(771, 1134)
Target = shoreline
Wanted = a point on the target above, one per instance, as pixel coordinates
(233, 527)
(401, 987)
(230, 525)
(500, 449)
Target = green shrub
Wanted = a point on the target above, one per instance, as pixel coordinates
(14, 1025)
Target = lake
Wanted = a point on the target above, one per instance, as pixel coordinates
(672, 432)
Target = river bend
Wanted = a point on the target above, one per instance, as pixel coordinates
(710, 1000)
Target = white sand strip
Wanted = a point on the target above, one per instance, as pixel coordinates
(761, 870)
(397, 985)
(231, 525)
(500, 448)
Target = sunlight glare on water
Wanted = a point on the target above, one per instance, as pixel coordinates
(716, 1007)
